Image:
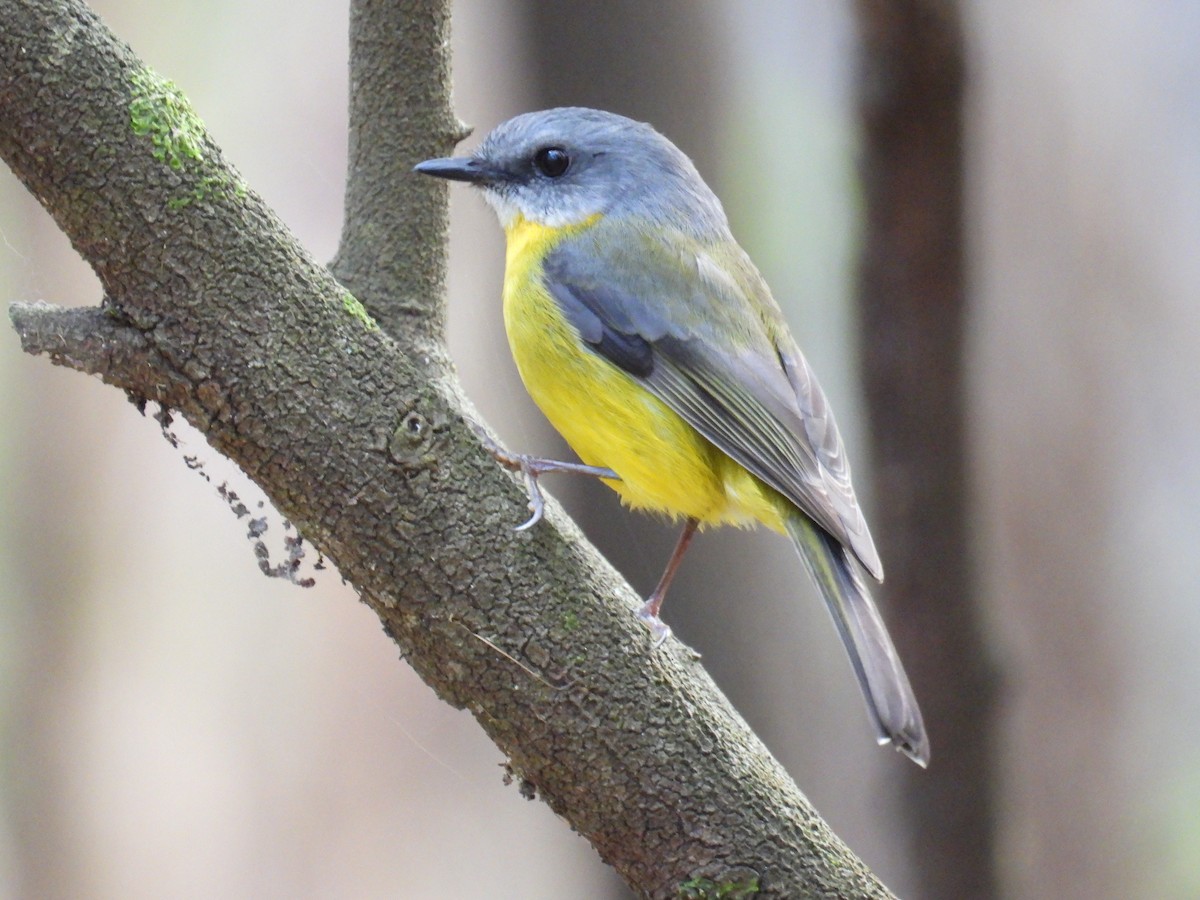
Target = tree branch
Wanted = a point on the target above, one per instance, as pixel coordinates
(93, 341)
(361, 440)
(393, 247)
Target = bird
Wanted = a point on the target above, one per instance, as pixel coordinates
(651, 342)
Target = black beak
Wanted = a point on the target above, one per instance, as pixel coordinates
(458, 168)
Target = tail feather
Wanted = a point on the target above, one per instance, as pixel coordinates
(890, 700)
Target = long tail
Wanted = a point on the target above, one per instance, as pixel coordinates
(890, 700)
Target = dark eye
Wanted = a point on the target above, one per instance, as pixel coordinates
(551, 161)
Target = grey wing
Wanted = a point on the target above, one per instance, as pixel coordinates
(758, 401)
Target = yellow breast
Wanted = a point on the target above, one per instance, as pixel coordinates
(605, 415)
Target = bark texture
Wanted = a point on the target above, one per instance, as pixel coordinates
(359, 433)
(912, 304)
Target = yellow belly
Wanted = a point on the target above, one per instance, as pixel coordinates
(609, 419)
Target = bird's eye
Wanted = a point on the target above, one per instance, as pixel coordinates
(552, 161)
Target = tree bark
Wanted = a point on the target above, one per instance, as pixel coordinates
(339, 399)
(912, 306)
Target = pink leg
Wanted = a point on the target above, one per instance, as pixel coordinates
(649, 611)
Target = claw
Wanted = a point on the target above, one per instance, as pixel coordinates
(532, 520)
(537, 504)
(659, 630)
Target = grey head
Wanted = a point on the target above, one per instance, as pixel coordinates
(562, 166)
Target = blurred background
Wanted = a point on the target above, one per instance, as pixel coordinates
(172, 723)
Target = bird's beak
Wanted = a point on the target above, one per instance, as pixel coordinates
(458, 168)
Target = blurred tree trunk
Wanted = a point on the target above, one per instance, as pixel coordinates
(912, 301)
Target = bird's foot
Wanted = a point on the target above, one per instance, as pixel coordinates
(533, 467)
(659, 630)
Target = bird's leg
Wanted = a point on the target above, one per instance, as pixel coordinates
(659, 630)
(532, 467)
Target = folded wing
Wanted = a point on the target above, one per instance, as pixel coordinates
(703, 334)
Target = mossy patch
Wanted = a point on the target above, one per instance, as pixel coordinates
(354, 306)
(707, 889)
(158, 110)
